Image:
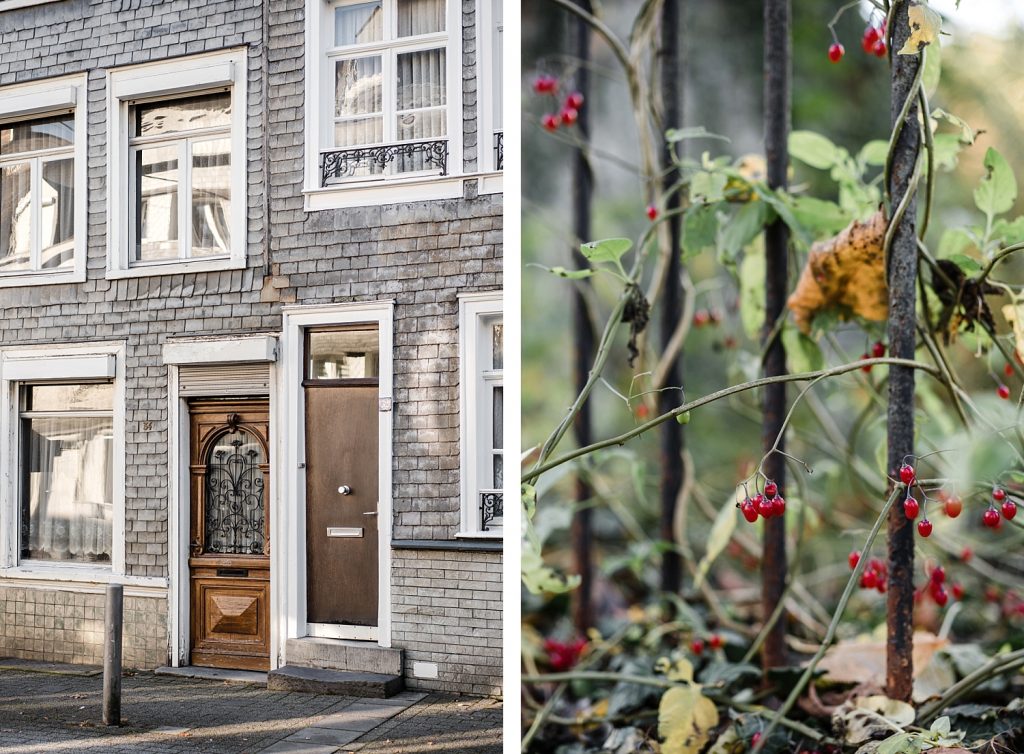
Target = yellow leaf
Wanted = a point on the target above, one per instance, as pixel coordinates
(924, 28)
(685, 719)
(1014, 314)
(682, 670)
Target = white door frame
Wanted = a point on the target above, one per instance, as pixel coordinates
(288, 538)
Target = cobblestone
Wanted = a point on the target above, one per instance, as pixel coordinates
(61, 714)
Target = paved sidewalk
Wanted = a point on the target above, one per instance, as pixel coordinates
(53, 714)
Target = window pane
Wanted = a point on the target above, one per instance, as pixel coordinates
(420, 17)
(67, 504)
(496, 63)
(187, 114)
(356, 24)
(156, 203)
(421, 79)
(343, 354)
(497, 417)
(498, 475)
(234, 495)
(211, 197)
(497, 346)
(352, 133)
(57, 225)
(358, 86)
(88, 397)
(421, 124)
(15, 217)
(42, 133)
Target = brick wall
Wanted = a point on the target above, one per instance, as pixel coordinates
(448, 611)
(61, 626)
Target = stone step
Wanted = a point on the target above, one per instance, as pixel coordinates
(340, 682)
(341, 654)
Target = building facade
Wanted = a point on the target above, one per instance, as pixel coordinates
(250, 334)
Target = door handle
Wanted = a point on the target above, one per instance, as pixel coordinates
(344, 490)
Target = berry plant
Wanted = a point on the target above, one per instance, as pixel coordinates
(688, 504)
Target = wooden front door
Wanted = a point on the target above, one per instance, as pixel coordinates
(229, 549)
(341, 398)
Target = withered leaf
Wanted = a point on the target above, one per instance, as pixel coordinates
(844, 274)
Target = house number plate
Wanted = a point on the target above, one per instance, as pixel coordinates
(343, 531)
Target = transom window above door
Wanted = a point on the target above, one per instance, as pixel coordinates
(386, 75)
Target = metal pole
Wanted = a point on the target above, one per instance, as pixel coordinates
(114, 622)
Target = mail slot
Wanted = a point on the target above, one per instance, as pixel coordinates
(344, 531)
(238, 573)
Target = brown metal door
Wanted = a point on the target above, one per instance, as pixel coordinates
(229, 558)
(341, 504)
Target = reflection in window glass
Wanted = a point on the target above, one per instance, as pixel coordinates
(186, 114)
(497, 346)
(211, 197)
(156, 181)
(358, 24)
(80, 397)
(38, 134)
(15, 216)
(57, 221)
(343, 354)
(358, 86)
(420, 17)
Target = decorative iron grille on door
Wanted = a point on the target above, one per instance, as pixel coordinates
(234, 495)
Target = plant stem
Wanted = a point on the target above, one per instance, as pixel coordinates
(996, 666)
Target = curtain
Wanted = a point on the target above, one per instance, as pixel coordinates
(67, 510)
(420, 17)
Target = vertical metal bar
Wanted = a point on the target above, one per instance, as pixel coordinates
(902, 278)
(583, 328)
(672, 439)
(113, 624)
(776, 135)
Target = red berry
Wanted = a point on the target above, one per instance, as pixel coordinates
(869, 580)
(652, 212)
(545, 84)
(866, 368)
(880, 586)
(879, 48)
(1008, 369)
(878, 349)
(569, 115)
(907, 473)
(697, 646)
(998, 494)
(940, 596)
(574, 100)
(754, 739)
(911, 507)
(771, 489)
(878, 566)
(700, 317)
(938, 575)
(991, 594)
(1003, 392)
(966, 554)
(1009, 510)
(778, 506)
(749, 511)
(835, 52)
(867, 42)
(765, 507)
(958, 591)
(991, 518)
(715, 641)
(954, 505)
(853, 559)
(549, 121)
(924, 527)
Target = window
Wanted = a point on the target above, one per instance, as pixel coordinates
(491, 51)
(386, 75)
(177, 160)
(481, 350)
(42, 198)
(67, 452)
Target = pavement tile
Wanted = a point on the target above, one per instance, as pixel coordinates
(289, 747)
(325, 736)
(361, 717)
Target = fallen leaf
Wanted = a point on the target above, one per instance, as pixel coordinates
(925, 25)
(857, 662)
(1014, 314)
(685, 719)
(844, 274)
(871, 718)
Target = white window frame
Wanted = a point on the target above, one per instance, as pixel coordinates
(154, 82)
(58, 363)
(15, 4)
(42, 99)
(319, 109)
(491, 177)
(476, 310)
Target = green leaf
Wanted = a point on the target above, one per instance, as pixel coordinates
(752, 293)
(803, 354)
(571, 274)
(700, 227)
(954, 241)
(946, 150)
(821, 217)
(744, 226)
(874, 153)
(707, 188)
(901, 743)
(965, 263)
(998, 189)
(814, 149)
(721, 532)
(966, 132)
(694, 132)
(932, 70)
(608, 250)
(1009, 233)
(780, 203)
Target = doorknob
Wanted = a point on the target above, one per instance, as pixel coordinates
(344, 490)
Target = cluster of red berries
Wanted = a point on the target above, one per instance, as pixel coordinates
(877, 352)
(570, 111)
(563, 656)
(697, 645)
(872, 42)
(703, 317)
(766, 505)
(910, 505)
(875, 575)
(991, 517)
(937, 587)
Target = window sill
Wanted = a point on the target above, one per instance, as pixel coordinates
(25, 279)
(395, 191)
(178, 268)
(491, 183)
(480, 535)
(50, 575)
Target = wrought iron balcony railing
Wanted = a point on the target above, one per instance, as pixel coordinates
(492, 508)
(499, 150)
(411, 156)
